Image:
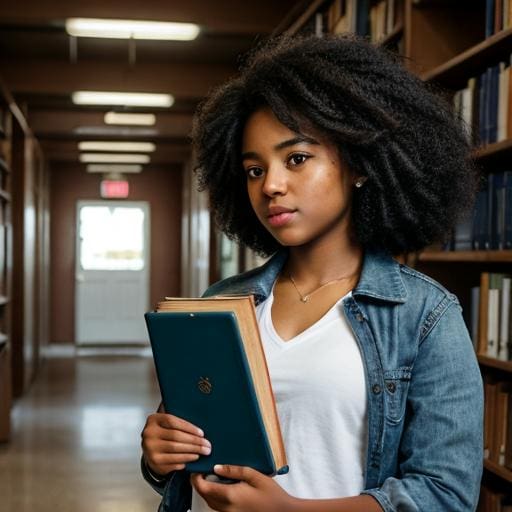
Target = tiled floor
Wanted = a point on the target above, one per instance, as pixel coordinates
(76, 437)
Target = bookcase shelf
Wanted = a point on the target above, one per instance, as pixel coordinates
(495, 363)
(455, 72)
(467, 256)
(502, 148)
(393, 36)
(498, 470)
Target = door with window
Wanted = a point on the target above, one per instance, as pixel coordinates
(112, 272)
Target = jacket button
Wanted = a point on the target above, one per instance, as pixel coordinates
(359, 317)
(391, 387)
(376, 389)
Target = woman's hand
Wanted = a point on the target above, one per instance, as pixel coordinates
(255, 493)
(168, 442)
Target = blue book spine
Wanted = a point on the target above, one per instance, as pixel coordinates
(493, 103)
(488, 228)
(362, 18)
(498, 212)
(482, 124)
(508, 209)
(479, 220)
(489, 18)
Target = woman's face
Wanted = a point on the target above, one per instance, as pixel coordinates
(298, 186)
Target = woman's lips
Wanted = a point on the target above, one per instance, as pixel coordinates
(280, 219)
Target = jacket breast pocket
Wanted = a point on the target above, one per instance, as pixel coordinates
(396, 386)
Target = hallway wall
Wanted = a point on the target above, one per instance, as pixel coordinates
(161, 187)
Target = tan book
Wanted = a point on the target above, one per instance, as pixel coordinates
(212, 371)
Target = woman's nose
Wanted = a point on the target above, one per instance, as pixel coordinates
(275, 182)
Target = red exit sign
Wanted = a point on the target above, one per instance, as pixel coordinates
(114, 189)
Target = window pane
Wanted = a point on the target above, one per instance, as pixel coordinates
(112, 238)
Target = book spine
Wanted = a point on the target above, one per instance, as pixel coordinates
(489, 18)
(504, 319)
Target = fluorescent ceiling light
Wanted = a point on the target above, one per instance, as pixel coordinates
(132, 99)
(114, 131)
(133, 119)
(138, 147)
(114, 168)
(128, 29)
(125, 158)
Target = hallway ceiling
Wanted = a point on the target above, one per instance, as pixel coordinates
(39, 66)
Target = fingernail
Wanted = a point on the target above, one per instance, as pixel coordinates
(206, 450)
(217, 467)
(207, 443)
(200, 432)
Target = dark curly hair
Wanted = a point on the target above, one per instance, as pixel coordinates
(386, 123)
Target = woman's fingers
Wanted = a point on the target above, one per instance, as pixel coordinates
(173, 422)
(166, 446)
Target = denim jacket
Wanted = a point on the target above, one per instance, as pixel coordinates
(424, 389)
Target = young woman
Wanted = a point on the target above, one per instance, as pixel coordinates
(327, 154)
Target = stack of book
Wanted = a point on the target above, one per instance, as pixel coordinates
(498, 423)
(493, 501)
(489, 227)
(498, 16)
(490, 316)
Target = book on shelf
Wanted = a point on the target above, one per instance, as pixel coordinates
(508, 443)
(497, 425)
(212, 372)
(491, 316)
(489, 226)
(494, 500)
(498, 16)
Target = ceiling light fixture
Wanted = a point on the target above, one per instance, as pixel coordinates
(125, 158)
(132, 99)
(114, 168)
(137, 147)
(131, 29)
(130, 119)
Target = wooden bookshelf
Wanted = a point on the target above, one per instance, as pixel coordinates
(492, 362)
(498, 470)
(496, 149)
(455, 72)
(393, 36)
(444, 43)
(466, 256)
(6, 156)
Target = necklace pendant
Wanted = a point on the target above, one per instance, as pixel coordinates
(304, 299)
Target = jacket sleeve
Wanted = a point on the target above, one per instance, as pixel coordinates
(158, 484)
(441, 448)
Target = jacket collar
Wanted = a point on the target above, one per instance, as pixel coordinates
(380, 279)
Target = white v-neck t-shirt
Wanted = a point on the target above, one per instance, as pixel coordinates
(320, 391)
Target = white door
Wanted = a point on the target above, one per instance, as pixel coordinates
(112, 272)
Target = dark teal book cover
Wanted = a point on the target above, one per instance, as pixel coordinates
(204, 378)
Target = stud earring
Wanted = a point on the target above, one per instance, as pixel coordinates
(360, 183)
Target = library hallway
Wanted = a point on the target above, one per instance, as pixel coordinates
(75, 443)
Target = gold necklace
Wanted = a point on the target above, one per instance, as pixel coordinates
(305, 298)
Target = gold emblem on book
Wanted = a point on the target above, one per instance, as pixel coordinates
(204, 385)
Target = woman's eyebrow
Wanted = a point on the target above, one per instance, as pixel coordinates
(285, 144)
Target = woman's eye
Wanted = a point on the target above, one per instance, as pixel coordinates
(254, 172)
(297, 159)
